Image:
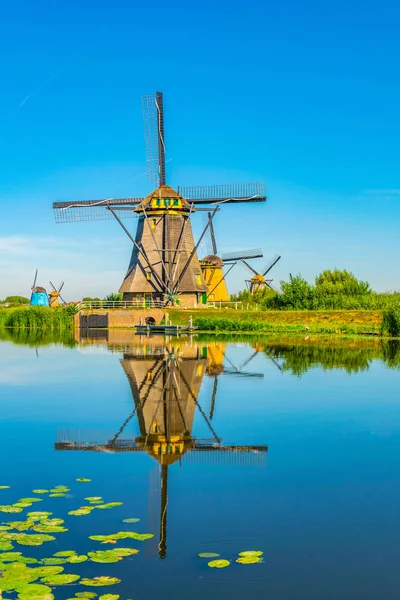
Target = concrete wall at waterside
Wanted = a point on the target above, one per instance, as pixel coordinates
(121, 318)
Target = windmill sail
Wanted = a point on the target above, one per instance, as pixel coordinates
(153, 117)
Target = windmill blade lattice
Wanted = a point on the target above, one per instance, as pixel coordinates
(153, 117)
(227, 193)
(271, 264)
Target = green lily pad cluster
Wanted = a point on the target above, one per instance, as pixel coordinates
(247, 557)
(122, 535)
(34, 579)
(111, 556)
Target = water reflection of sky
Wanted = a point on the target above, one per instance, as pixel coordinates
(324, 508)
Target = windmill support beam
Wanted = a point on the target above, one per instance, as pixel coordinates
(159, 281)
(194, 251)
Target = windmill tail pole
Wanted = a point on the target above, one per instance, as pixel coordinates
(189, 260)
(162, 546)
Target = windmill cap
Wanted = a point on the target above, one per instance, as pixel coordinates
(258, 277)
(164, 192)
(39, 290)
(213, 259)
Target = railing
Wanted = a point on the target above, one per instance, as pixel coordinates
(122, 304)
(219, 305)
(151, 304)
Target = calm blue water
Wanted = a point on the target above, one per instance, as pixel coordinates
(322, 503)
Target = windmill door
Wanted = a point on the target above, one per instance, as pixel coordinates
(148, 300)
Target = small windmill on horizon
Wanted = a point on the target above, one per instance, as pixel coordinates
(164, 268)
(258, 281)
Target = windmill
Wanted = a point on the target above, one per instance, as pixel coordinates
(165, 382)
(212, 265)
(55, 295)
(39, 295)
(258, 280)
(164, 268)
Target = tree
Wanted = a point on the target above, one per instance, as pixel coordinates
(341, 283)
(16, 300)
(113, 297)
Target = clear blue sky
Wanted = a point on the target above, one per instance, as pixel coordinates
(303, 95)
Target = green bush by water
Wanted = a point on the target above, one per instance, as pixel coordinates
(391, 322)
(37, 317)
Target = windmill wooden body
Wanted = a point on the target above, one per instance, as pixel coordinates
(164, 269)
(165, 380)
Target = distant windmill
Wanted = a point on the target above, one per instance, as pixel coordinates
(55, 295)
(211, 267)
(259, 281)
(39, 295)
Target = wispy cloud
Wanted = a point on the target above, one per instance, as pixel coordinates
(37, 89)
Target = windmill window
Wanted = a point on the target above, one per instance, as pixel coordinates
(198, 280)
(176, 202)
(148, 275)
(153, 223)
(158, 202)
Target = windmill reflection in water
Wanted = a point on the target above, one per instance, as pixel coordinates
(165, 380)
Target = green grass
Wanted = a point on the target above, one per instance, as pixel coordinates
(37, 317)
(296, 321)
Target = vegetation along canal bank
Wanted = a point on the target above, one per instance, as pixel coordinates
(336, 322)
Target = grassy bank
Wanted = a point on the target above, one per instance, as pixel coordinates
(37, 317)
(297, 321)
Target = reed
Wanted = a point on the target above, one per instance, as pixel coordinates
(391, 322)
(37, 317)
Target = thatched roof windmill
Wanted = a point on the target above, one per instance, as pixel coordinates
(164, 268)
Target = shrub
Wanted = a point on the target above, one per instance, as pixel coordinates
(391, 322)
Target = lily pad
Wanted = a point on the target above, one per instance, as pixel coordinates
(99, 581)
(132, 520)
(109, 597)
(63, 579)
(208, 554)
(38, 514)
(40, 491)
(104, 556)
(247, 553)
(57, 495)
(219, 563)
(79, 512)
(54, 561)
(4, 487)
(83, 480)
(22, 504)
(93, 498)
(10, 509)
(85, 594)
(6, 546)
(109, 505)
(65, 553)
(35, 592)
(49, 528)
(47, 571)
(10, 556)
(77, 558)
(248, 560)
(124, 551)
(30, 500)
